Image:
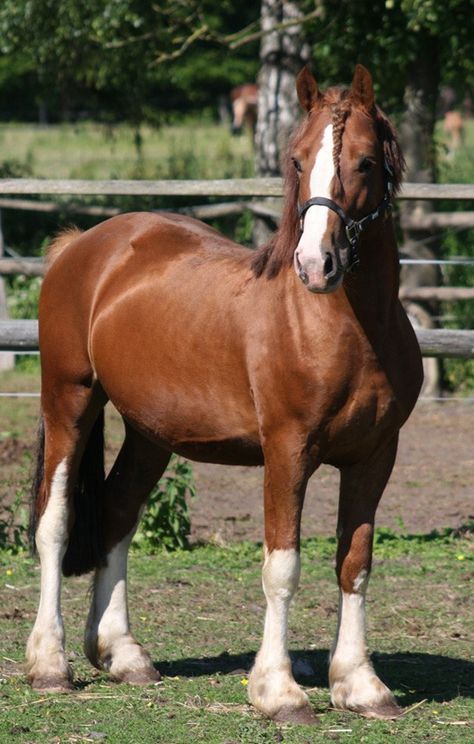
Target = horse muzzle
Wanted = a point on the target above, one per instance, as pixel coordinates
(320, 274)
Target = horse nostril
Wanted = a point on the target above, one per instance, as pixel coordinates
(301, 272)
(328, 266)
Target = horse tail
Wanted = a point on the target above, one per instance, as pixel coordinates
(85, 550)
(60, 242)
(37, 488)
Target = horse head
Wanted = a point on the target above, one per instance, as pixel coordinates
(344, 163)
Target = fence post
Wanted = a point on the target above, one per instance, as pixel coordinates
(7, 358)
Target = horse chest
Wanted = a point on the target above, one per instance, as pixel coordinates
(369, 413)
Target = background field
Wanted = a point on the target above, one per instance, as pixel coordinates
(200, 612)
(90, 150)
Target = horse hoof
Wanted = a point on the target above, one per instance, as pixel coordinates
(288, 714)
(140, 677)
(385, 711)
(52, 684)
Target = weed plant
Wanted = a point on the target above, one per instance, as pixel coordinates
(166, 522)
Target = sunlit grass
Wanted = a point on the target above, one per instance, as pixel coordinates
(89, 150)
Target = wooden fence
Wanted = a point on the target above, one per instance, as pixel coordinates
(224, 187)
(22, 335)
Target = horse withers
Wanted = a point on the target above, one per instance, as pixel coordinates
(292, 356)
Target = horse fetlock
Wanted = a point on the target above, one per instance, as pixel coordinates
(123, 658)
(275, 693)
(46, 665)
(360, 690)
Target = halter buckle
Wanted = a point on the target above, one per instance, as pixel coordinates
(352, 232)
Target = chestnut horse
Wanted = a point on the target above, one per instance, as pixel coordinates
(244, 100)
(279, 357)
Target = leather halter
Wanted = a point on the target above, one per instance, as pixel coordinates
(353, 228)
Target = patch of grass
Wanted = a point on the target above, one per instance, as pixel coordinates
(200, 613)
(90, 150)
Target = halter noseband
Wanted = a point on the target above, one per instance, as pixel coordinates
(353, 227)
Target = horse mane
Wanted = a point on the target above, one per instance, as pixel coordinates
(278, 252)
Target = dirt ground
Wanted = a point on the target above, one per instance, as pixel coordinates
(432, 484)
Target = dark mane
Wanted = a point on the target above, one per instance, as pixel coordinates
(278, 252)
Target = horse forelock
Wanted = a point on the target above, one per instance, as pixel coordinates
(278, 252)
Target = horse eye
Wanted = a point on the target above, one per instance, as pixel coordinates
(297, 165)
(365, 164)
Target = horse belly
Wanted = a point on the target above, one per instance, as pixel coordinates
(188, 393)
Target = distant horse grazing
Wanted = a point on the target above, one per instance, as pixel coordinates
(244, 100)
(278, 357)
(453, 125)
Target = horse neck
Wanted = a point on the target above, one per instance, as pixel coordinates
(372, 289)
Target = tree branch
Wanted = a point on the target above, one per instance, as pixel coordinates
(233, 41)
(197, 34)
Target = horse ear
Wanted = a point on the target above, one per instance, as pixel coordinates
(307, 89)
(362, 88)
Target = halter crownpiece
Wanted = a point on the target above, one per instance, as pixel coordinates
(353, 228)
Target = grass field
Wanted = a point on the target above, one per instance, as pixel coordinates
(200, 614)
(194, 150)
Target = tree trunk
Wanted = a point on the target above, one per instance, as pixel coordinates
(283, 53)
(417, 137)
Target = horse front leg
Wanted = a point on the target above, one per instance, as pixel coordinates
(354, 683)
(272, 688)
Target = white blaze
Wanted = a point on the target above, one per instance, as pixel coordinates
(316, 218)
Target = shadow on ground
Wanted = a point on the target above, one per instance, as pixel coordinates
(414, 676)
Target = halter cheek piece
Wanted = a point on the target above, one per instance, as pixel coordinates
(353, 227)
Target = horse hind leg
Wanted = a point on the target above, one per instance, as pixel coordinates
(108, 643)
(69, 416)
(354, 684)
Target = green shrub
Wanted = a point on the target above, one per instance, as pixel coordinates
(13, 526)
(166, 522)
(23, 295)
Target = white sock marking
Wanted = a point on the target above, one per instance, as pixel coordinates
(354, 683)
(349, 647)
(271, 683)
(108, 640)
(46, 642)
(280, 577)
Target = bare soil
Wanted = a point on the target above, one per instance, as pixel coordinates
(432, 485)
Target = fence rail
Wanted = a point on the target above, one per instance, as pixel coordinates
(22, 335)
(216, 187)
